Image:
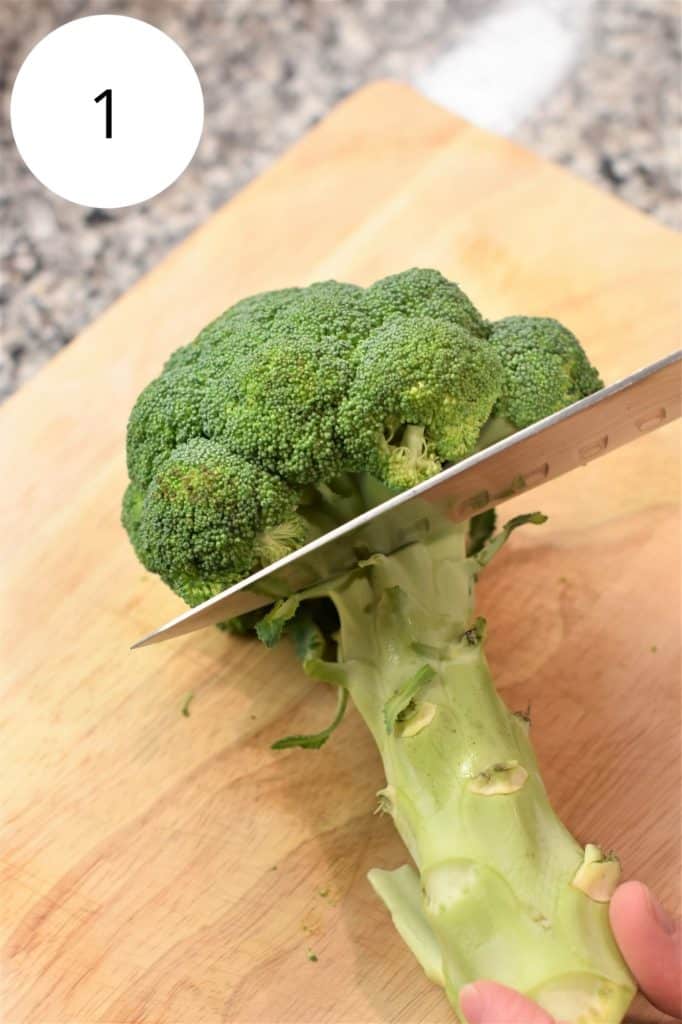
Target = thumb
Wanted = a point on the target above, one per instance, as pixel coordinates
(486, 1002)
(651, 944)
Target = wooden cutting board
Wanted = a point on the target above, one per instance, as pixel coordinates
(161, 869)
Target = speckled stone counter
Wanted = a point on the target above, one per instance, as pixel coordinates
(269, 70)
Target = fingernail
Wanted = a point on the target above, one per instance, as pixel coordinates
(663, 918)
(472, 1004)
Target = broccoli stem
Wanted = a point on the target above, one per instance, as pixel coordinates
(495, 896)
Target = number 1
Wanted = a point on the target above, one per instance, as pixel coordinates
(106, 95)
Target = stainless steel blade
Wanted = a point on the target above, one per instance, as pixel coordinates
(570, 438)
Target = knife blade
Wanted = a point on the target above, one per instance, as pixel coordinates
(572, 437)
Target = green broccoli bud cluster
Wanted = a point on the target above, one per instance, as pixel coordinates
(543, 369)
(232, 449)
(206, 514)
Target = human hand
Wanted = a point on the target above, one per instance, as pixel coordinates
(651, 944)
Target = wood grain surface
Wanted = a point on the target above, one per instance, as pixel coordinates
(164, 869)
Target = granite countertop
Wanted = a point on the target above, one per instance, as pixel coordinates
(602, 97)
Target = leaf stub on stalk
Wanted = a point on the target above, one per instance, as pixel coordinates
(421, 715)
(598, 875)
(502, 778)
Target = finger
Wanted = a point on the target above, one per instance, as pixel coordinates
(651, 944)
(486, 1002)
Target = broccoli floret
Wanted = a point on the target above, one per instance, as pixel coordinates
(328, 311)
(544, 369)
(241, 328)
(424, 293)
(166, 414)
(278, 408)
(297, 410)
(422, 390)
(209, 518)
(276, 402)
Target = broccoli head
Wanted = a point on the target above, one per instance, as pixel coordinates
(290, 391)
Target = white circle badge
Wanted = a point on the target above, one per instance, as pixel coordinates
(107, 111)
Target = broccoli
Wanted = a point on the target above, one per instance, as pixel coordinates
(544, 369)
(293, 412)
(206, 514)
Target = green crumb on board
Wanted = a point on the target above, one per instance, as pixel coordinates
(653, 648)
(312, 956)
(185, 706)
(323, 893)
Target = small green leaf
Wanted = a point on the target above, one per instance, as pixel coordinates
(310, 645)
(269, 629)
(492, 546)
(481, 529)
(307, 637)
(316, 740)
(185, 706)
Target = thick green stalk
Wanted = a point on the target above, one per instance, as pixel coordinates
(501, 889)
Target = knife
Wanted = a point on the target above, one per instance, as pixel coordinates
(572, 437)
